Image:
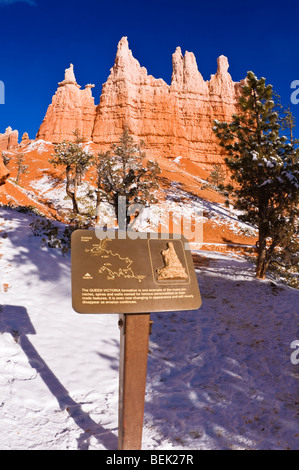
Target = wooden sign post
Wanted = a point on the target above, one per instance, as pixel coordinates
(134, 339)
(132, 277)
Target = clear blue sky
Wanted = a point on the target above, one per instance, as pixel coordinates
(40, 38)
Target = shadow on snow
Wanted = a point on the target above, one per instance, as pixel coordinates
(221, 377)
(15, 320)
(26, 252)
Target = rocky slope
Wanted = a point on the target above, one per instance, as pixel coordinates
(183, 193)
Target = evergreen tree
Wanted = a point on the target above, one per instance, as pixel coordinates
(102, 164)
(21, 168)
(76, 162)
(264, 167)
(217, 175)
(6, 158)
(123, 172)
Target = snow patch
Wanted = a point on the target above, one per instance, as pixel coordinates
(39, 145)
(218, 378)
(178, 159)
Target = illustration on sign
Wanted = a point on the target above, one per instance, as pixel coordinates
(173, 268)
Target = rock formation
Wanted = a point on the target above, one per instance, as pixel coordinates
(173, 120)
(131, 97)
(71, 109)
(25, 139)
(3, 171)
(8, 139)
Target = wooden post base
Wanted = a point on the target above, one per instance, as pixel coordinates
(134, 339)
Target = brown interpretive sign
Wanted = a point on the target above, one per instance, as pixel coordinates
(124, 275)
(132, 274)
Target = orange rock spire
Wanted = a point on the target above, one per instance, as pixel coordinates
(8, 139)
(71, 109)
(173, 120)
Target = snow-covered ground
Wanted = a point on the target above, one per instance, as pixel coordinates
(218, 378)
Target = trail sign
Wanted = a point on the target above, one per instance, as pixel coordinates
(132, 275)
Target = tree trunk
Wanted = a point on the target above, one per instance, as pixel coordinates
(262, 266)
(98, 207)
(75, 204)
(18, 175)
(262, 260)
(71, 194)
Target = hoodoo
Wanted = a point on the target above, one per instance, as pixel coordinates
(8, 139)
(173, 120)
(72, 108)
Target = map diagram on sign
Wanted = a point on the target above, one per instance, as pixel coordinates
(113, 264)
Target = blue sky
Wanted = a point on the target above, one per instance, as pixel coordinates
(40, 38)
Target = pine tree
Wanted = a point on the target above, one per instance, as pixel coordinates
(123, 172)
(76, 162)
(21, 168)
(217, 175)
(6, 158)
(103, 169)
(264, 167)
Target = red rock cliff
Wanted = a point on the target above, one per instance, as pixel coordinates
(173, 120)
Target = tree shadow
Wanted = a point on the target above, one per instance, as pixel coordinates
(221, 377)
(50, 263)
(15, 320)
(54, 178)
(229, 241)
(112, 359)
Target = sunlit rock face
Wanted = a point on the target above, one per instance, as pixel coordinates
(9, 139)
(173, 120)
(71, 109)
